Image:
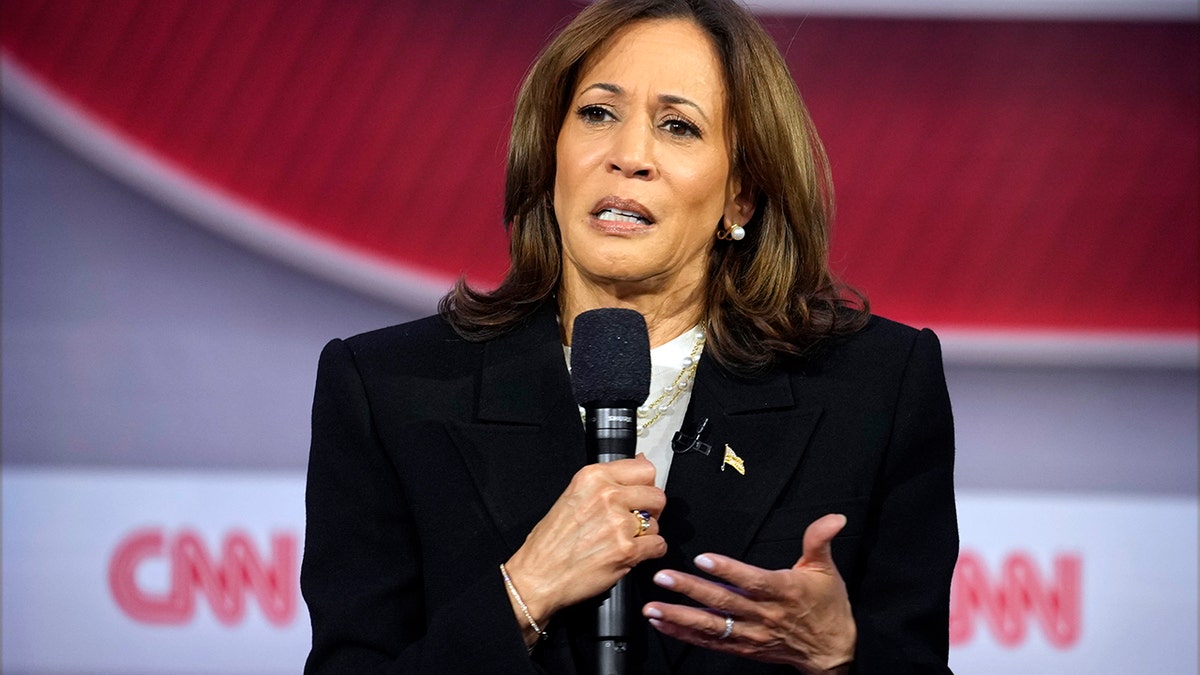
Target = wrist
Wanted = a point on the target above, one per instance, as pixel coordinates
(827, 667)
(532, 622)
(536, 590)
(813, 668)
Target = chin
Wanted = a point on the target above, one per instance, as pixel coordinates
(620, 275)
(616, 272)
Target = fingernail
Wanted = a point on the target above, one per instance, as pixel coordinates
(704, 562)
(663, 579)
(656, 623)
(652, 613)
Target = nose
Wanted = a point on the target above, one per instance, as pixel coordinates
(632, 153)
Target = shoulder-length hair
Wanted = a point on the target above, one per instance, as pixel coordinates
(769, 295)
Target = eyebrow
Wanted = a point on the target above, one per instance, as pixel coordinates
(670, 99)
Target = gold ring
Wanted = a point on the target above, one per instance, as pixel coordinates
(643, 521)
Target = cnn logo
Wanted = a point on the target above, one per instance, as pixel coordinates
(225, 581)
(1017, 595)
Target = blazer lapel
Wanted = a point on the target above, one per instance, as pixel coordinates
(758, 421)
(525, 440)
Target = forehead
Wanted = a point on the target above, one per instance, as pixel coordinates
(669, 56)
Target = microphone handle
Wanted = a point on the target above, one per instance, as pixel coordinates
(611, 434)
(612, 641)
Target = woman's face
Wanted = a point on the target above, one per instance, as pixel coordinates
(643, 173)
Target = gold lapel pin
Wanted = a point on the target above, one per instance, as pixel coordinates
(733, 460)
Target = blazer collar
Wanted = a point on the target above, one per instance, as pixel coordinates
(525, 440)
(530, 356)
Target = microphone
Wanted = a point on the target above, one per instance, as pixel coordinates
(610, 376)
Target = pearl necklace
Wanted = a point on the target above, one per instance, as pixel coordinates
(651, 412)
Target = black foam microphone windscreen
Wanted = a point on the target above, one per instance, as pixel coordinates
(610, 357)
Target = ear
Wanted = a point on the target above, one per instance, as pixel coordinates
(739, 202)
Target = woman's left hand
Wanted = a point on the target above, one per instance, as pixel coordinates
(799, 616)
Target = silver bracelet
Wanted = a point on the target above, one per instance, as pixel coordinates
(521, 603)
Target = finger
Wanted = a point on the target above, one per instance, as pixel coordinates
(644, 498)
(753, 581)
(651, 523)
(700, 638)
(596, 486)
(712, 595)
(636, 471)
(818, 538)
(649, 546)
(625, 472)
(703, 628)
(707, 623)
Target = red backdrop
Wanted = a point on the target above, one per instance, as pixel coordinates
(1008, 174)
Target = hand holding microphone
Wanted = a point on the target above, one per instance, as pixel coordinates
(606, 521)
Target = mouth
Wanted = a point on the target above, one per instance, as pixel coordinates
(614, 210)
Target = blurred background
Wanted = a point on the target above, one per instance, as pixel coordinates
(198, 194)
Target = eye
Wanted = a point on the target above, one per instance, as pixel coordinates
(680, 127)
(594, 114)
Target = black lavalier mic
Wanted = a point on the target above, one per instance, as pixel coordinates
(610, 376)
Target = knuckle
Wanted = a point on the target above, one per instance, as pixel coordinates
(584, 477)
(658, 548)
(724, 604)
(649, 546)
(645, 471)
(625, 549)
(657, 502)
(760, 585)
(773, 616)
(610, 497)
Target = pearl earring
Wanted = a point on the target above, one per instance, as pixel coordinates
(736, 233)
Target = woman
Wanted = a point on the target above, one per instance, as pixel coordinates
(661, 160)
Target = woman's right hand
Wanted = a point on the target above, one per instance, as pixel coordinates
(586, 542)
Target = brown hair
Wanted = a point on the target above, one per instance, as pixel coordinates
(769, 295)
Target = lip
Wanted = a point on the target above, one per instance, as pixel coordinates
(625, 206)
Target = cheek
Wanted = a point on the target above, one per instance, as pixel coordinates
(702, 179)
(566, 179)
(562, 190)
(556, 195)
(705, 192)
(561, 169)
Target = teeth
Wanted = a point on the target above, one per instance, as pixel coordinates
(619, 216)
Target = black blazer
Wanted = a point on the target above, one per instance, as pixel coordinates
(433, 457)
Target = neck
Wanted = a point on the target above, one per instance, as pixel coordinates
(668, 314)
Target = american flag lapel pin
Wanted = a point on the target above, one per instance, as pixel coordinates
(732, 459)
